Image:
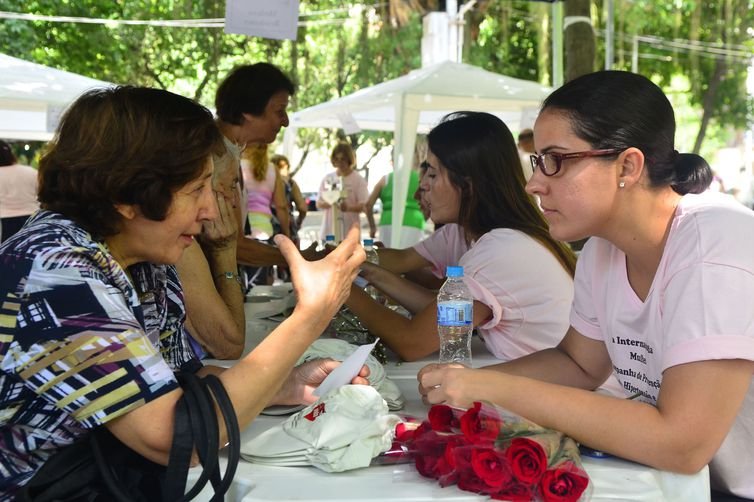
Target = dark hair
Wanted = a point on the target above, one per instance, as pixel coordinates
(248, 89)
(345, 149)
(618, 109)
(6, 154)
(124, 145)
(482, 160)
(278, 158)
(526, 135)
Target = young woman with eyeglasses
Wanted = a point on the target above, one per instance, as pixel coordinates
(520, 277)
(662, 292)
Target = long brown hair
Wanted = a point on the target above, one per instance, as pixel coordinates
(481, 157)
(259, 158)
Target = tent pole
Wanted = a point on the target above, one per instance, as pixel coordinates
(557, 44)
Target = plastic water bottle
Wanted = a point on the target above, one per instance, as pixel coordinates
(373, 257)
(455, 318)
(329, 241)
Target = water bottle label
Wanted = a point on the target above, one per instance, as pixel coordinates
(454, 314)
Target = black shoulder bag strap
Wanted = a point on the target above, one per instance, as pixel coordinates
(232, 430)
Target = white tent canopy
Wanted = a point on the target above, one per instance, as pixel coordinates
(33, 96)
(416, 102)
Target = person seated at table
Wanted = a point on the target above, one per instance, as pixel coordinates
(251, 107)
(520, 277)
(662, 298)
(91, 298)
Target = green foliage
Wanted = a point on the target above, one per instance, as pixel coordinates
(344, 46)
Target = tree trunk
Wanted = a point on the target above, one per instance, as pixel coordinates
(579, 41)
(544, 39)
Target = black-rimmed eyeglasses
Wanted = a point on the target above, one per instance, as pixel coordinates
(550, 163)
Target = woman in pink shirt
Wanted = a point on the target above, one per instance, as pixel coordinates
(18, 192)
(662, 292)
(519, 276)
(264, 188)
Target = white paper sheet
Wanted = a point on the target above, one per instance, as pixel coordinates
(348, 369)
(262, 18)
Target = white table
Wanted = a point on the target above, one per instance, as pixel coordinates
(612, 479)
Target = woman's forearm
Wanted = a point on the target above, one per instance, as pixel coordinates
(410, 295)
(411, 339)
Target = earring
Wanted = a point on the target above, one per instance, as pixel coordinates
(622, 184)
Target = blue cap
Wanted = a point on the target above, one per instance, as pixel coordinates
(369, 242)
(329, 237)
(456, 271)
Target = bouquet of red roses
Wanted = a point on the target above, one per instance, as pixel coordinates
(489, 451)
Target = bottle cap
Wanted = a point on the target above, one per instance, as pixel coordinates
(329, 237)
(369, 242)
(456, 271)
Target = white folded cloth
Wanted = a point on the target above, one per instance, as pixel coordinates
(340, 350)
(343, 430)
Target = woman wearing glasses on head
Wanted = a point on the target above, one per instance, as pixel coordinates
(520, 277)
(662, 292)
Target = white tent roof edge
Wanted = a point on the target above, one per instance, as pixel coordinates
(32, 97)
(404, 104)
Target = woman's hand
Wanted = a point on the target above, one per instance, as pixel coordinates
(322, 286)
(306, 377)
(452, 384)
(220, 233)
(370, 271)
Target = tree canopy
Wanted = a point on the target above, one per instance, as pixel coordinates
(700, 49)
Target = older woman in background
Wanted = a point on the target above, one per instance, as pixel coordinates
(354, 188)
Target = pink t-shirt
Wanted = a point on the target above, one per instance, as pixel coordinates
(356, 193)
(259, 193)
(699, 307)
(18, 191)
(520, 280)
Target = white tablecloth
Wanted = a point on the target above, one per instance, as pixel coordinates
(612, 479)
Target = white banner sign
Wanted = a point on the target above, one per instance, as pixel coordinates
(276, 19)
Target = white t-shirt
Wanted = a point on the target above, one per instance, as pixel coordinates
(356, 193)
(520, 280)
(699, 307)
(18, 191)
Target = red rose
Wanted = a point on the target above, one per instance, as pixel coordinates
(564, 483)
(470, 482)
(527, 459)
(492, 467)
(404, 433)
(480, 425)
(450, 449)
(430, 458)
(515, 492)
(425, 464)
(442, 418)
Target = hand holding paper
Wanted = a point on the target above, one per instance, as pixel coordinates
(347, 370)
